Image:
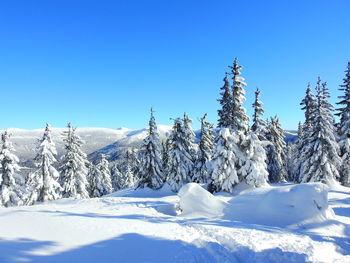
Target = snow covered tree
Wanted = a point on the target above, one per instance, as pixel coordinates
(223, 170)
(205, 152)
(127, 178)
(151, 174)
(344, 128)
(11, 194)
(303, 151)
(74, 169)
(43, 183)
(276, 152)
(253, 171)
(225, 112)
(116, 175)
(239, 116)
(188, 136)
(130, 161)
(101, 183)
(165, 156)
(323, 162)
(180, 157)
(259, 125)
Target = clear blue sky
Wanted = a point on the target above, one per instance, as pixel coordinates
(105, 63)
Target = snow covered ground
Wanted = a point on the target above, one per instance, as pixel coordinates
(149, 226)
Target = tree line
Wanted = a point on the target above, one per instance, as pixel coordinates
(233, 154)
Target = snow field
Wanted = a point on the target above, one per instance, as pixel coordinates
(146, 226)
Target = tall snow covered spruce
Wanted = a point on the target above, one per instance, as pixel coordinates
(180, 165)
(303, 149)
(43, 183)
(100, 178)
(243, 157)
(205, 152)
(225, 112)
(276, 152)
(11, 193)
(239, 116)
(323, 161)
(344, 128)
(151, 165)
(259, 125)
(74, 166)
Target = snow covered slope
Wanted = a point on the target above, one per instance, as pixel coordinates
(25, 141)
(146, 226)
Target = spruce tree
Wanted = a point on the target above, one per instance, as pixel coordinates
(259, 125)
(131, 161)
(344, 128)
(11, 194)
(239, 116)
(323, 161)
(43, 183)
(127, 178)
(253, 170)
(180, 157)
(116, 175)
(304, 151)
(223, 170)
(100, 177)
(225, 112)
(151, 174)
(276, 152)
(74, 169)
(165, 157)
(205, 152)
(188, 136)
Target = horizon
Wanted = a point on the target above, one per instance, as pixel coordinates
(105, 64)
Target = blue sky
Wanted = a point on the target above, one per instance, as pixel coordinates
(105, 63)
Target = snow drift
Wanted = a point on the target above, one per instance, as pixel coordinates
(195, 201)
(282, 206)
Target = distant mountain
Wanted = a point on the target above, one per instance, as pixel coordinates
(111, 142)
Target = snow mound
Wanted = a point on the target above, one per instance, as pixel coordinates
(195, 201)
(282, 206)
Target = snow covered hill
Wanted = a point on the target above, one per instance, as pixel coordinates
(148, 226)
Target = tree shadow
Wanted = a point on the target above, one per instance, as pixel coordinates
(135, 248)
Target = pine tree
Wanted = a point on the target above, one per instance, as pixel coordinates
(180, 157)
(225, 113)
(344, 128)
(100, 177)
(253, 170)
(205, 152)
(74, 169)
(132, 162)
(11, 194)
(151, 174)
(276, 152)
(43, 183)
(323, 162)
(165, 157)
(223, 170)
(239, 115)
(127, 178)
(259, 125)
(116, 175)
(304, 151)
(188, 136)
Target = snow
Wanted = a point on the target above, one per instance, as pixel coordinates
(195, 201)
(146, 226)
